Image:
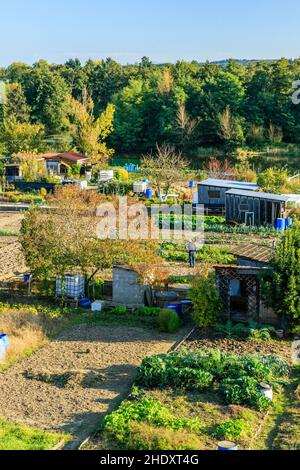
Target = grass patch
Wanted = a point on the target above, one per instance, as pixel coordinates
(9, 233)
(19, 437)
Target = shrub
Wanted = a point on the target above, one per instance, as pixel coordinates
(43, 193)
(232, 430)
(148, 312)
(206, 301)
(123, 175)
(120, 310)
(168, 321)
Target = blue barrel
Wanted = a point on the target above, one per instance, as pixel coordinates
(177, 307)
(226, 445)
(290, 222)
(4, 340)
(192, 184)
(85, 303)
(27, 277)
(149, 193)
(280, 225)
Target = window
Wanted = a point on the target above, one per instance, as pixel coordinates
(214, 194)
(244, 207)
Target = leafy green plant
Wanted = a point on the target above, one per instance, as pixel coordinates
(148, 312)
(168, 321)
(245, 391)
(252, 330)
(147, 410)
(232, 430)
(120, 310)
(238, 377)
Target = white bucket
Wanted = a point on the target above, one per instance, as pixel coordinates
(267, 391)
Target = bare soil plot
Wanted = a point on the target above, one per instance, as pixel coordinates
(12, 263)
(69, 384)
(11, 221)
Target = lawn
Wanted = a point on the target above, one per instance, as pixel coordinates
(16, 437)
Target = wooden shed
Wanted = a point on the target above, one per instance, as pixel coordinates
(212, 192)
(254, 208)
(240, 291)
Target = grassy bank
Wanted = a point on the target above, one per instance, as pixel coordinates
(19, 437)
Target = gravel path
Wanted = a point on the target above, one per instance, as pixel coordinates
(70, 384)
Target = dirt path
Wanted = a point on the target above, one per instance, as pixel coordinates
(70, 384)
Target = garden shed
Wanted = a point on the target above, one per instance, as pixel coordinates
(212, 192)
(240, 291)
(254, 208)
(127, 288)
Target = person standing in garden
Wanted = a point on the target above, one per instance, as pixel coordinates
(191, 248)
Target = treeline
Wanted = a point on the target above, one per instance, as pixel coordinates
(186, 104)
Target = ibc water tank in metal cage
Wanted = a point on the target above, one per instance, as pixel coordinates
(72, 286)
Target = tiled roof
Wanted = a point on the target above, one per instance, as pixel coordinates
(74, 157)
(261, 254)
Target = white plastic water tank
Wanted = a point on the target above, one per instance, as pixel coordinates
(72, 286)
(139, 187)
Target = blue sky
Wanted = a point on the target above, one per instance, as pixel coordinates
(164, 30)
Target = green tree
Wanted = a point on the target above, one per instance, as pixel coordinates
(16, 106)
(273, 180)
(282, 283)
(206, 300)
(89, 133)
(18, 137)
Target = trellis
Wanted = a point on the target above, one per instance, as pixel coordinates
(252, 292)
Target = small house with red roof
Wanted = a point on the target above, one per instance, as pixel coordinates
(59, 163)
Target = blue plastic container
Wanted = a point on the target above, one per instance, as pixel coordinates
(228, 446)
(4, 340)
(177, 307)
(27, 277)
(192, 184)
(2, 351)
(85, 303)
(281, 225)
(290, 222)
(149, 193)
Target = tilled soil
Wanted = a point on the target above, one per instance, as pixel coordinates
(12, 263)
(205, 339)
(69, 384)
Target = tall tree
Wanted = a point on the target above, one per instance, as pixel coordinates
(89, 133)
(16, 106)
(282, 283)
